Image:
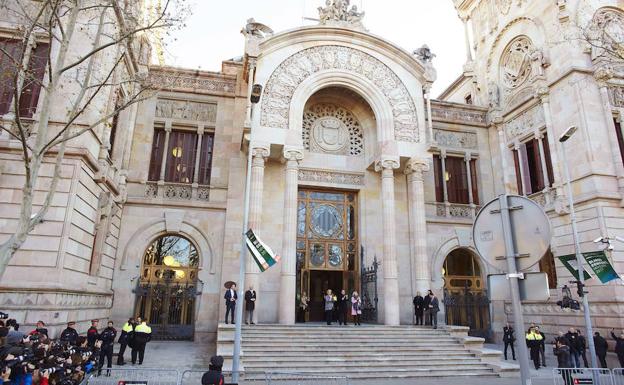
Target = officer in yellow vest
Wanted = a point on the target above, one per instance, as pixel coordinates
(142, 335)
(534, 341)
(124, 339)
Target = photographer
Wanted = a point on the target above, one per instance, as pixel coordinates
(14, 336)
(40, 329)
(70, 335)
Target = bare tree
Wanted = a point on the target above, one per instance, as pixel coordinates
(88, 56)
(602, 32)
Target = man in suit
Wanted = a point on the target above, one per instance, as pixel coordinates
(230, 302)
(419, 303)
(250, 305)
(508, 340)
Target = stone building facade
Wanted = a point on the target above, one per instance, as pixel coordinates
(353, 163)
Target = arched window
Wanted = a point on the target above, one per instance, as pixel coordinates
(172, 258)
(547, 265)
(462, 271)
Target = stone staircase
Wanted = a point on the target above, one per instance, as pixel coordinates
(363, 352)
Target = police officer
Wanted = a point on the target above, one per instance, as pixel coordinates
(534, 342)
(70, 335)
(107, 337)
(142, 335)
(92, 333)
(127, 332)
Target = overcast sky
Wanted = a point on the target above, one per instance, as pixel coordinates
(213, 30)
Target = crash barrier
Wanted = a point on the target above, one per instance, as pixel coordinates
(583, 376)
(133, 376)
(289, 378)
(155, 376)
(618, 376)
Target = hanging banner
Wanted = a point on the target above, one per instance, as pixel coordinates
(261, 253)
(601, 266)
(569, 261)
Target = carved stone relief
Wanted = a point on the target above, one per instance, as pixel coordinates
(456, 115)
(168, 80)
(525, 123)
(616, 94)
(328, 128)
(516, 63)
(504, 6)
(453, 139)
(309, 175)
(186, 110)
(294, 70)
(606, 32)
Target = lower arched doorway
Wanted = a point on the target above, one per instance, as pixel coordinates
(167, 287)
(466, 301)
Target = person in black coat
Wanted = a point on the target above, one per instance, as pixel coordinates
(508, 340)
(619, 346)
(344, 304)
(107, 337)
(564, 361)
(574, 345)
(419, 307)
(582, 345)
(127, 332)
(230, 302)
(92, 334)
(70, 335)
(542, 348)
(601, 349)
(426, 302)
(214, 376)
(250, 305)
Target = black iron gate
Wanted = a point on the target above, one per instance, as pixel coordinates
(369, 290)
(472, 309)
(168, 307)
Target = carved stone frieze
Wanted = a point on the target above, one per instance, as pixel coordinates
(331, 129)
(310, 175)
(524, 123)
(171, 80)
(186, 110)
(457, 115)
(293, 71)
(616, 95)
(454, 139)
(44, 300)
(340, 13)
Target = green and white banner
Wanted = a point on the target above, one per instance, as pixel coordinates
(569, 261)
(261, 253)
(601, 266)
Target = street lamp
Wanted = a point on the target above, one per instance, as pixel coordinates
(577, 249)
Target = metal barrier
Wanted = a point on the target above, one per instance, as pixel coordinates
(286, 378)
(618, 376)
(583, 376)
(133, 376)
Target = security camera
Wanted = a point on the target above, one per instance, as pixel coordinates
(598, 240)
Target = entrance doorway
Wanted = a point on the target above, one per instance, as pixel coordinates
(327, 246)
(466, 302)
(168, 287)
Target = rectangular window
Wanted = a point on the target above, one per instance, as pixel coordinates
(439, 178)
(181, 157)
(205, 160)
(620, 137)
(456, 180)
(31, 88)
(529, 167)
(157, 154)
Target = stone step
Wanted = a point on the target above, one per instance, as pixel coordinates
(305, 353)
(373, 361)
(325, 339)
(356, 344)
(375, 373)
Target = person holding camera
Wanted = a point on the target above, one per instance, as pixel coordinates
(509, 339)
(40, 329)
(564, 359)
(619, 346)
(14, 336)
(107, 338)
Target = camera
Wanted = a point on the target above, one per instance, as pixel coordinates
(4, 315)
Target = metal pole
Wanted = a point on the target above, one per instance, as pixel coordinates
(241, 276)
(512, 276)
(589, 333)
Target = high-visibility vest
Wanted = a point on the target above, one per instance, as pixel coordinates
(143, 328)
(534, 337)
(127, 328)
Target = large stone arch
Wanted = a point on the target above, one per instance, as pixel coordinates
(150, 231)
(312, 69)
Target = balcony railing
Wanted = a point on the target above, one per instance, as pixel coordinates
(453, 210)
(177, 191)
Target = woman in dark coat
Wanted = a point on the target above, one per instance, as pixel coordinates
(344, 304)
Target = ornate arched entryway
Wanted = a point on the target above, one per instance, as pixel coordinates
(465, 296)
(167, 287)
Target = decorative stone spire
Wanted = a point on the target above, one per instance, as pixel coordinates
(340, 13)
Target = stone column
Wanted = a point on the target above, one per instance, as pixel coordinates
(522, 175)
(288, 282)
(467, 38)
(444, 186)
(421, 273)
(200, 139)
(389, 262)
(540, 141)
(252, 271)
(163, 165)
(427, 90)
(555, 154)
(504, 151)
(467, 159)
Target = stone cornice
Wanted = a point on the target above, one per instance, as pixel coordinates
(195, 81)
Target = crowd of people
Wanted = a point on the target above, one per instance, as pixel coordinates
(570, 347)
(28, 358)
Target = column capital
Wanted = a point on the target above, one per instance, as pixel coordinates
(293, 154)
(201, 129)
(603, 73)
(416, 167)
(251, 62)
(443, 153)
(467, 156)
(386, 165)
(260, 152)
(168, 126)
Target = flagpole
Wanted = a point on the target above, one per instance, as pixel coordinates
(243, 260)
